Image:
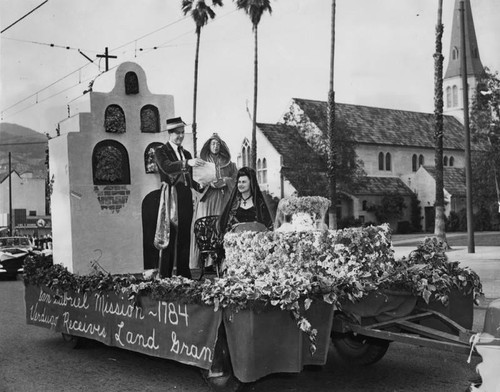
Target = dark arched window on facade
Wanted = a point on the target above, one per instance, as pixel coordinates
(114, 119)
(414, 166)
(150, 119)
(131, 83)
(445, 161)
(381, 161)
(452, 161)
(365, 205)
(149, 157)
(454, 53)
(110, 163)
(420, 160)
(388, 163)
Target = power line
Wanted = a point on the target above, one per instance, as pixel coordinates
(67, 47)
(160, 46)
(22, 17)
(79, 69)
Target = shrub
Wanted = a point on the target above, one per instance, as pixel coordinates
(349, 221)
(404, 227)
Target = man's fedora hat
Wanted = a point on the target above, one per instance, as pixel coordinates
(174, 123)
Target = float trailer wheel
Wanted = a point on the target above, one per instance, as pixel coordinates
(360, 350)
(71, 341)
(225, 383)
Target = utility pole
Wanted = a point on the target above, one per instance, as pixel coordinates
(468, 167)
(107, 57)
(10, 196)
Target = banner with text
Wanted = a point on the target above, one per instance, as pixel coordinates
(186, 333)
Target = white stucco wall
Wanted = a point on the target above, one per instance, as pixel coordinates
(60, 202)
(112, 238)
(457, 111)
(267, 151)
(27, 193)
(401, 159)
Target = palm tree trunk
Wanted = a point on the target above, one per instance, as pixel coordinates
(439, 226)
(254, 119)
(332, 153)
(195, 94)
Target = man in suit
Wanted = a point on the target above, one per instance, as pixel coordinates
(175, 167)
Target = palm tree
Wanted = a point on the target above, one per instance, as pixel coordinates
(200, 13)
(254, 9)
(439, 225)
(332, 151)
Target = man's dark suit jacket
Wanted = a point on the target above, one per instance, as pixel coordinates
(177, 173)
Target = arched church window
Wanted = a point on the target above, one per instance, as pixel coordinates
(114, 119)
(454, 53)
(259, 171)
(388, 163)
(455, 96)
(452, 161)
(448, 97)
(420, 160)
(110, 163)
(365, 205)
(149, 157)
(131, 83)
(381, 161)
(445, 161)
(264, 171)
(150, 119)
(245, 153)
(414, 163)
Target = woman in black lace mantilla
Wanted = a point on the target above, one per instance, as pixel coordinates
(246, 203)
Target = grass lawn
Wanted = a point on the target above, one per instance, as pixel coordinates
(481, 238)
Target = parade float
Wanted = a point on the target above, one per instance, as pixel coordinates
(284, 294)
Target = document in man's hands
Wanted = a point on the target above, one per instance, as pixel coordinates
(205, 174)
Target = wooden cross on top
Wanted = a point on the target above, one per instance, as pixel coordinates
(107, 57)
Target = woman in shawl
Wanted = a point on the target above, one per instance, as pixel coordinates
(246, 203)
(214, 196)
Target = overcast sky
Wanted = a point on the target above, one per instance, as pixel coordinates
(383, 56)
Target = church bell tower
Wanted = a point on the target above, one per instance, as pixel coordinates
(452, 82)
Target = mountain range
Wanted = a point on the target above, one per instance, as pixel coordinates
(27, 147)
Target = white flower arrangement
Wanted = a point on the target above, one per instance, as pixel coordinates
(301, 213)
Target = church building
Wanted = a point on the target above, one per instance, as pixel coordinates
(395, 146)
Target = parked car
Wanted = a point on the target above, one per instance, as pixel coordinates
(13, 251)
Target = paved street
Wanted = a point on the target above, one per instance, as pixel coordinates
(34, 359)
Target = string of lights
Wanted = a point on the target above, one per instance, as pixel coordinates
(67, 47)
(135, 50)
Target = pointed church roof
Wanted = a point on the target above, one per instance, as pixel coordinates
(474, 65)
(298, 158)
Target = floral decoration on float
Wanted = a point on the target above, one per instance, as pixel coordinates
(289, 268)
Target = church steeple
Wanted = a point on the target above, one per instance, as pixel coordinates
(452, 82)
(474, 65)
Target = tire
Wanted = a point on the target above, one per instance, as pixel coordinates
(360, 350)
(72, 341)
(225, 383)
